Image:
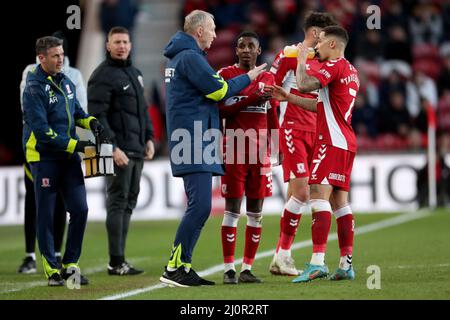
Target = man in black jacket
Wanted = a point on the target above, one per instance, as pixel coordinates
(116, 98)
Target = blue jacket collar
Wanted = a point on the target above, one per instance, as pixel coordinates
(179, 42)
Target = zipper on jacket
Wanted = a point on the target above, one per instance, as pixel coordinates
(67, 107)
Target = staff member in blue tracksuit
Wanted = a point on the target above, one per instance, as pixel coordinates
(193, 90)
(50, 112)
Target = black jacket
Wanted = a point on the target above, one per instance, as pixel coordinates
(116, 99)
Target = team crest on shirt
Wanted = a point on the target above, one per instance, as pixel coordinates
(69, 92)
(301, 168)
(45, 183)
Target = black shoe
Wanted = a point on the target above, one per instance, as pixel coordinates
(246, 276)
(66, 275)
(229, 277)
(125, 269)
(28, 266)
(180, 278)
(202, 281)
(55, 280)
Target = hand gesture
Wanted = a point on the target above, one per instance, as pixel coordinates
(252, 74)
(278, 92)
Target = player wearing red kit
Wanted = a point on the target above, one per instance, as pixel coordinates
(297, 132)
(248, 120)
(334, 149)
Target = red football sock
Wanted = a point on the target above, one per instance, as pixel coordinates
(320, 229)
(290, 225)
(228, 243)
(345, 230)
(279, 236)
(252, 238)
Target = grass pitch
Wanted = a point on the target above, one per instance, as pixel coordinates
(413, 257)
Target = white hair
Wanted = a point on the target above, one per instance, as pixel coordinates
(194, 19)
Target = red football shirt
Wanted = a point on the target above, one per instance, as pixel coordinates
(292, 116)
(340, 84)
(250, 117)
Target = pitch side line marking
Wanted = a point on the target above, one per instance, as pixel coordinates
(15, 287)
(406, 217)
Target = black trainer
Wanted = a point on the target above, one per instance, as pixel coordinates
(124, 269)
(180, 278)
(229, 277)
(247, 276)
(55, 280)
(66, 275)
(28, 266)
(202, 281)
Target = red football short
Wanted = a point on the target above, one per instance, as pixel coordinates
(331, 165)
(297, 146)
(254, 179)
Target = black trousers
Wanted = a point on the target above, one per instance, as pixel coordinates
(121, 199)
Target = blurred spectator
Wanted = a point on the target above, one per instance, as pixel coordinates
(284, 13)
(395, 80)
(121, 13)
(443, 81)
(275, 45)
(395, 118)
(394, 13)
(398, 46)
(426, 24)
(370, 45)
(420, 86)
(443, 113)
(364, 117)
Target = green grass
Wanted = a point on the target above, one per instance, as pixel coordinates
(414, 259)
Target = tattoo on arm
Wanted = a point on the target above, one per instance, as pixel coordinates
(306, 83)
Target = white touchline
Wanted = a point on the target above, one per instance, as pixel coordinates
(406, 217)
(15, 287)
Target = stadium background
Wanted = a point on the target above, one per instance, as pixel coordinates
(404, 66)
(408, 58)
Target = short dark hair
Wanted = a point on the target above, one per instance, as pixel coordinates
(318, 19)
(248, 33)
(336, 31)
(118, 29)
(45, 43)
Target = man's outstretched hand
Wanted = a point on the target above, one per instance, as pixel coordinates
(277, 92)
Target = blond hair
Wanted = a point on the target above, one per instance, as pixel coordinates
(194, 19)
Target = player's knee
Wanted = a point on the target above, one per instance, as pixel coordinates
(254, 219)
(342, 211)
(230, 219)
(318, 205)
(301, 194)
